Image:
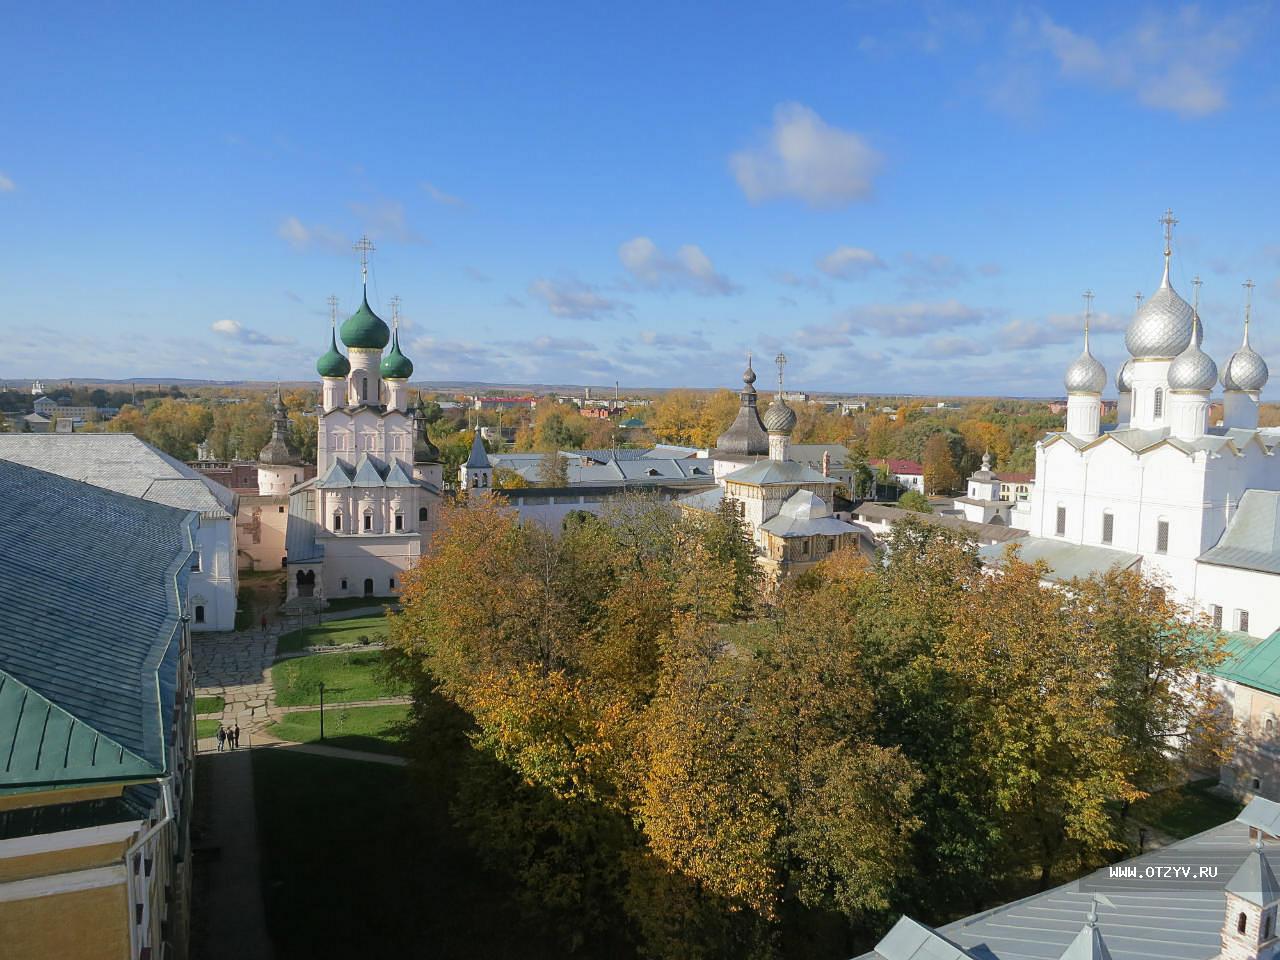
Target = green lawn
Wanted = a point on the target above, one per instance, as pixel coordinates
(209, 704)
(1187, 810)
(355, 603)
(356, 862)
(375, 729)
(347, 676)
(335, 632)
(206, 728)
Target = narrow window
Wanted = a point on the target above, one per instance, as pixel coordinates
(399, 522)
(337, 522)
(195, 562)
(1271, 725)
(1242, 621)
(1062, 521)
(368, 521)
(1159, 403)
(1266, 928)
(1217, 616)
(1108, 526)
(199, 613)
(475, 481)
(1242, 920)
(279, 509)
(392, 583)
(1162, 536)
(344, 583)
(422, 514)
(1257, 784)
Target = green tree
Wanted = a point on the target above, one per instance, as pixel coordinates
(915, 501)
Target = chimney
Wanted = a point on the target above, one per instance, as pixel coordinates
(826, 463)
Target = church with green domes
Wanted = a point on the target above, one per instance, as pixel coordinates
(363, 520)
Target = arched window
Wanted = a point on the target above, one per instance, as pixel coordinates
(1271, 725)
(1061, 526)
(1241, 922)
(1158, 410)
(399, 522)
(199, 613)
(1108, 526)
(475, 481)
(337, 522)
(422, 514)
(368, 521)
(1266, 928)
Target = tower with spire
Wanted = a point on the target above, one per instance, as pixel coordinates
(1191, 376)
(1249, 923)
(279, 466)
(477, 472)
(746, 436)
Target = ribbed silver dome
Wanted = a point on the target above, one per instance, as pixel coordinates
(1162, 327)
(1193, 369)
(779, 418)
(1124, 377)
(1246, 370)
(1085, 375)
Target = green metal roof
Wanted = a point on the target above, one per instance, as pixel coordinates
(91, 587)
(395, 365)
(333, 363)
(1252, 661)
(364, 328)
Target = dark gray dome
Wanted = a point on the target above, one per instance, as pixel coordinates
(779, 418)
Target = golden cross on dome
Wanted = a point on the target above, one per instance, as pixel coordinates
(1169, 222)
(364, 245)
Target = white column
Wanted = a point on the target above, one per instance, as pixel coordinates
(1188, 414)
(779, 446)
(397, 395)
(1084, 416)
(364, 374)
(332, 389)
(1150, 394)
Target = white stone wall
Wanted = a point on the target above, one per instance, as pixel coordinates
(344, 434)
(1234, 589)
(214, 586)
(277, 481)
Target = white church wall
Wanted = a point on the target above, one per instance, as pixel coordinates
(1235, 589)
(379, 559)
(214, 585)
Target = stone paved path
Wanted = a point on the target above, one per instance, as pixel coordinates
(237, 667)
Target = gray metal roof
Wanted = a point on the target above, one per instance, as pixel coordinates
(300, 544)
(883, 513)
(1148, 918)
(768, 472)
(368, 471)
(479, 458)
(1263, 814)
(1066, 561)
(123, 463)
(643, 469)
(805, 514)
(1252, 538)
(90, 629)
(1255, 881)
(746, 435)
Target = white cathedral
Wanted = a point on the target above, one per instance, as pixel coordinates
(363, 520)
(1190, 502)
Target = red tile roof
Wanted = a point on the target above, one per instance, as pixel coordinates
(899, 466)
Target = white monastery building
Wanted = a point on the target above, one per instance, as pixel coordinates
(1193, 503)
(363, 519)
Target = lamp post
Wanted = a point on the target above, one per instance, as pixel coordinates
(322, 710)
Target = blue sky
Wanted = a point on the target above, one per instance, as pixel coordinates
(902, 196)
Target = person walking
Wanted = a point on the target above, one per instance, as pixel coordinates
(264, 623)
(222, 736)
(235, 736)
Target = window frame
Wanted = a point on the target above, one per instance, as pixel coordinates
(1108, 527)
(1060, 522)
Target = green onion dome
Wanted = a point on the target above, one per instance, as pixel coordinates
(364, 328)
(395, 365)
(333, 363)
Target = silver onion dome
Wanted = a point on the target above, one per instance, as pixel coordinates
(1124, 377)
(1162, 327)
(1193, 369)
(1086, 375)
(779, 418)
(1246, 370)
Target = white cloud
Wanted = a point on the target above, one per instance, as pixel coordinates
(235, 330)
(891, 320)
(953, 347)
(934, 272)
(849, 263)
(679, 341)
(574, 300)
(689, 268)
(439, 196)
(6, 185)
(1174, 59)
(386, 218)
(302, 237)
(806, 158)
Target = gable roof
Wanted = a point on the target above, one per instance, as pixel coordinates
(1251, 661)
(479, 457)
(768, 472)
(368, 471)
(1252, 538)
(1066, 560)
(123, 463)
(1255, 882)
(91, 583)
